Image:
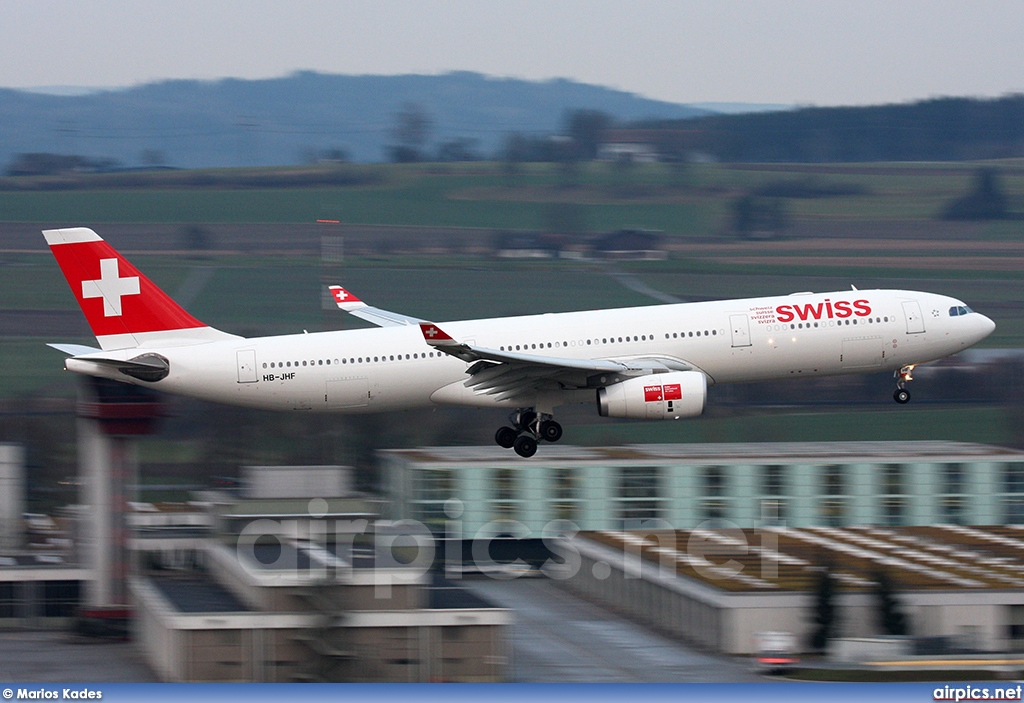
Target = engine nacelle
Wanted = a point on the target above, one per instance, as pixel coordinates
(663, 396)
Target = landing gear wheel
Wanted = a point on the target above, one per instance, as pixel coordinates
(505, 437)
(550, 431)
(901, 396)
(525, 446)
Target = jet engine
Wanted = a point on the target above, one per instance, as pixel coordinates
(664, 396)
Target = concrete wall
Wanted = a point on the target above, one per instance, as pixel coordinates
(296, 481)
(12, 496)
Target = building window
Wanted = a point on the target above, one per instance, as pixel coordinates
(715, 509)
(773, 480)
(833, 512)
(565, 493)
(1013, 510)
(773, 511)
(952, 509)
(505, 484)
(563, 510)
(504, 510)
(505, 494)
(566, 484)
(639, 482)
(60, 598)
(1015, 627)
(894, 511)
(8, 599)
(891, 479)
(436, 484)
(715, 481)
(953, 478)
(1013, 478)
(431, 514)
(833, 480)
(639, 494)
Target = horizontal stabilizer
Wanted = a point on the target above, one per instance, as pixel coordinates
(74, 349)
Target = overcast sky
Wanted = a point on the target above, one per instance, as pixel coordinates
(821, 52)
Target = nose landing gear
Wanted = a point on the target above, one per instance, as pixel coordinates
(901, 395)
(528, 429)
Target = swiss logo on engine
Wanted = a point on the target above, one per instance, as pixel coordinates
(653, 394)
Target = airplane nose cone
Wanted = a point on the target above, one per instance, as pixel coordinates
(985, 327)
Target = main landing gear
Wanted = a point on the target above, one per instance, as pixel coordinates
(901, 395)
(528, 429)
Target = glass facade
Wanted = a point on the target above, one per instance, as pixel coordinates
(639, 494)
(600, 489)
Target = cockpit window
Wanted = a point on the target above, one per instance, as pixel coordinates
(958, 310)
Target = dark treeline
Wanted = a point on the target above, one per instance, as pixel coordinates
(942, 129)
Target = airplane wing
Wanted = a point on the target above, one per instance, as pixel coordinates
(382, 318)
(508, 375)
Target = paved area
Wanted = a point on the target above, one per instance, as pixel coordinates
(560, 637)
(58, 657)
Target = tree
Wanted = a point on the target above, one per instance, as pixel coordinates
(825, 616)
(458, 150)
(759, 218)
(411, 130)
(986, 201)
(891, 618)
(586, 129)
(513, 153)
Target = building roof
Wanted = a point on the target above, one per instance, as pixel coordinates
(250, 508)
(191, 594)
(934, 558)
(737, 452)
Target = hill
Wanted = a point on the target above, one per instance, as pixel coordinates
(939, 129)
(281, 121)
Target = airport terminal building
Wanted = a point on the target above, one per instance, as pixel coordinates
(749, 485)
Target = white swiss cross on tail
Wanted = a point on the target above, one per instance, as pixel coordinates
(110, 287)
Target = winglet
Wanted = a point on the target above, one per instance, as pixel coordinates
(346, 300)
(435, 336)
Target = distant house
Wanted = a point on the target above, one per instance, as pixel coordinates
(646, 145)
(630, 244)
(527, 245)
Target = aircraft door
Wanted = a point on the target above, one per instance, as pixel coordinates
(347, 393)
(915, 321)
(740, 325)
(247, 366)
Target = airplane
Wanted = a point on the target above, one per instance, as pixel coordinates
(652, 363)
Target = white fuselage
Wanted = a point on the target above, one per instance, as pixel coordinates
(733, 341)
